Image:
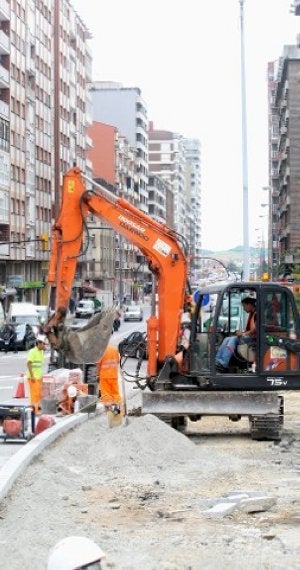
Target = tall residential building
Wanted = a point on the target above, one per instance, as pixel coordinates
(158, 190)
(274, 159)
(287, 119)
(124, 108)
(167, 160)
(45, 68)
(192, 149)
(178, 161)
(117, 263)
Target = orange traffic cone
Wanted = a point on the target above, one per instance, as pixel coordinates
(20, 391)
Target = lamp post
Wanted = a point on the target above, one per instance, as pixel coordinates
(246, 254)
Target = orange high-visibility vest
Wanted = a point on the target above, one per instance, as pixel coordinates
(108, 364)
(108, 367)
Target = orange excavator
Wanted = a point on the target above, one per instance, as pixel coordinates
(183, 382)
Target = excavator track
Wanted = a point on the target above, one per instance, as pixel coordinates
(268, 427)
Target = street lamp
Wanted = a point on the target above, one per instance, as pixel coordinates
(246, 254)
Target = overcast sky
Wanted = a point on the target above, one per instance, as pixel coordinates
(185, 57)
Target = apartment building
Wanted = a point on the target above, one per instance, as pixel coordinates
(177, 161)
(117, 265)
(158, 190)
(45, 66)
(192, 149)
(124, 108)
(273, 183)
(286, 176)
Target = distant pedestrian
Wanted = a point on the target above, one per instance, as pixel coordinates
(34, 372)
(108, 370)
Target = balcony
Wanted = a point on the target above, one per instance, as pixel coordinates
(4, 11)
(4, 109)
(4, 43)
(283, 130)
(4, 77)
(89, 142)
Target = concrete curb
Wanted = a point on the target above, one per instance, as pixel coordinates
(20, 460)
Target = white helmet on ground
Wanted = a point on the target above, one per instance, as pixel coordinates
(74, 552)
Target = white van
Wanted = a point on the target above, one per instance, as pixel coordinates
(24, 313)
(43, 313)
(85, 309)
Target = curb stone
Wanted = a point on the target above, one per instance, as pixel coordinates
(20, 460)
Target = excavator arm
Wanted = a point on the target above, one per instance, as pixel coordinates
(157, 242)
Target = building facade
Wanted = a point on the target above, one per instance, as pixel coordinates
(177, 161)
(286, 176)
(124, 108)
(45, 67)
(273, 182)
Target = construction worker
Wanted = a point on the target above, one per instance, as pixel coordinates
(34, 372)
(74, 553)
(108, 370)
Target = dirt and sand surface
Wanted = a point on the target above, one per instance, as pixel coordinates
(140, 491)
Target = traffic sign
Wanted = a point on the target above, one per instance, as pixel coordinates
(205, 299)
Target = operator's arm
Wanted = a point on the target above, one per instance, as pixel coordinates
(251, 332)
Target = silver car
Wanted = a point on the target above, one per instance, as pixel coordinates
(133, 313)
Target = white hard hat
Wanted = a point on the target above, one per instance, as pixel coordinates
(73, 552)
(72, 391)
(41, 338)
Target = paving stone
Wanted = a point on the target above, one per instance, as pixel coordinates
(220, 510)
(256, 504)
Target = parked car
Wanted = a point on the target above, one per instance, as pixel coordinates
(133, 313)
(23, 337)
(134, 345)
(85, 309)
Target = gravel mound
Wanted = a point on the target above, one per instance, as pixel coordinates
(138, 491)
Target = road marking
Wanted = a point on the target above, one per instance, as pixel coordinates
(8, 376)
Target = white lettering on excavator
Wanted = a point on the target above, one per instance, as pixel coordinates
(162, 247)
(133, 227)
(277, 381)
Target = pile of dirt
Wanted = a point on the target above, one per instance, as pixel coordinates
(139, 491)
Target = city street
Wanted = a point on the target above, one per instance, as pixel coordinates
(12, 365)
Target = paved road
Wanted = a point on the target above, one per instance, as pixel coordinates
(12, 365)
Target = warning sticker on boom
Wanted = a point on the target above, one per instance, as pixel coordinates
(162, 247)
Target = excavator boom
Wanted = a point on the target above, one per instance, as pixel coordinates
(156, 241)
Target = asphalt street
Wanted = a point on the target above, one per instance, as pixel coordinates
(13, 365)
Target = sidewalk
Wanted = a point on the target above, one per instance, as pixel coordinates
(15, 455)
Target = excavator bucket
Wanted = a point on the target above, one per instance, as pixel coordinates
(89, 343)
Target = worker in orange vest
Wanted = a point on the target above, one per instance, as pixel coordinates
(108, 369)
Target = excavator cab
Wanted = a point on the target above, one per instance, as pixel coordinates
(256, 373)
(274, 351)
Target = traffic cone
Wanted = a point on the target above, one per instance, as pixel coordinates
(20, 391)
